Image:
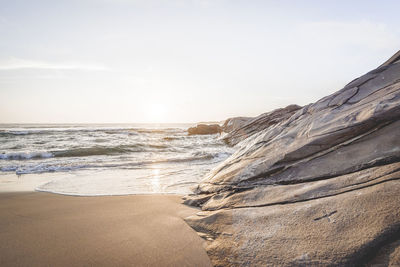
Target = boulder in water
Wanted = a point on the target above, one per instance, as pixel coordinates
(205, 129)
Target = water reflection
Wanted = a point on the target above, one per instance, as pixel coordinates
(155, 180)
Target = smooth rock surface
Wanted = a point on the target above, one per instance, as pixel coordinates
(319, 187)
(232, 124)
(240, 128)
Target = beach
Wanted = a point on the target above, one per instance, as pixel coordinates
(118, 194)
(44, 229)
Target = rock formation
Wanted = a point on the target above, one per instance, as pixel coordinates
(320, 187)
(241, 128)
(232, 124)
(205, 129)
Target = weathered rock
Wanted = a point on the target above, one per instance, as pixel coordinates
(205, 129)
(241, 128)
(232, 124)
(388, 255)
(318, 188)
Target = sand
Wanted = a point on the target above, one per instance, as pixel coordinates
(42, 229)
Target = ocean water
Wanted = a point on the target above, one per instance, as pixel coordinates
(107, 159)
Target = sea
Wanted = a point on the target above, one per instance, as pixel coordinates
(106, 159)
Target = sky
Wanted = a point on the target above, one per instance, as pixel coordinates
(144, 61)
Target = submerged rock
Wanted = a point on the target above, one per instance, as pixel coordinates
(205, 129)
(318, 188)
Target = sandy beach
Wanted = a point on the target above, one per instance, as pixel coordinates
(42, 229)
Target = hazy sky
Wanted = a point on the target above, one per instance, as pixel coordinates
(182, 61)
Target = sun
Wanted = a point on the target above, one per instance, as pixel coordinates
(157, 113)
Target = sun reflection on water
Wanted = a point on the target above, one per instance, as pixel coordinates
(155, 180)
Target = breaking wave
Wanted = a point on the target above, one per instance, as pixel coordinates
(25, 155)
(82, 152)
(69, 166)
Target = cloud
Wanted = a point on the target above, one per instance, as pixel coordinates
(19, 64)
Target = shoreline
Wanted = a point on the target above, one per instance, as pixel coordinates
(77, 183)
(47, 229)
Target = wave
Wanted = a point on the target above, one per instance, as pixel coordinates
(25, 155)
(170, 138)
(43, 167)
(12, 133)
(196, 156)
(126, 131)
(103, 150)
(52, 131)
(163, 130)
(95, 151)
(176, 137)
(84, 151)
(182, 159)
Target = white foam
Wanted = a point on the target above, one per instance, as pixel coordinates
(44, 168)
(18, 132)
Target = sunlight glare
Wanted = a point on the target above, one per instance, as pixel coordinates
(157, 113)
(155, 180)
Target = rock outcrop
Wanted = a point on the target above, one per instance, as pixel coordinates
(232, 124)
(241, 128)
(205, 129)
(318, 188)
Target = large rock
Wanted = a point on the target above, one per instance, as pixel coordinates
(240, 128)
(320, 188)
(232, 124)
(205, 129)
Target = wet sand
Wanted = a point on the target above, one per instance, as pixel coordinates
(42, 229)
